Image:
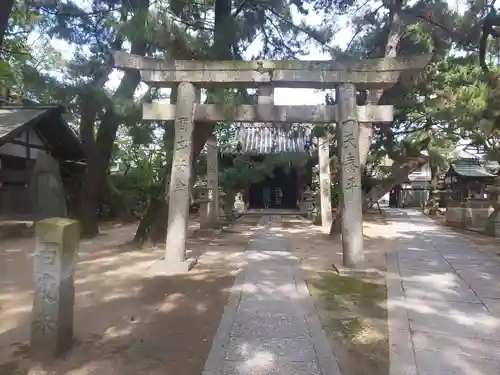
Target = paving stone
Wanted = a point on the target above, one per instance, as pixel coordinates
(263, 291)
(493, 305)
(291, 307)
(425, 266)
(444, 308)
(433, 258)
(281, 277)
(270, 258)
(412, 273)
(402, 357)
(273, 325)
(435, 280)
(459, 293)
(489, 266)
(479, 277)
(259, 297)
(467, 256)
(478, 348)
(439, 363)
(266, 366)
(301, 350)
(483, 326)
(268, 244)
(486, 291)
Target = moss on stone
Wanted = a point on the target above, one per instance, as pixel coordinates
(57, 230)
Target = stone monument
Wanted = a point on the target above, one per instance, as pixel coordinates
(55, 259)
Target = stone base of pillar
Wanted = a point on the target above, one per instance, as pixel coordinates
(168, 268)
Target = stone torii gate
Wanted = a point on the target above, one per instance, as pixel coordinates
(189, 76)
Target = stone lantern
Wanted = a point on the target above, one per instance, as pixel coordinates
(306, 203)
(239, 204)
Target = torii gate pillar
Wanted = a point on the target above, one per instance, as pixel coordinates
(351, 198)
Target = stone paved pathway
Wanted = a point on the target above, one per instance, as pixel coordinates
(444, 301)
(269, 325)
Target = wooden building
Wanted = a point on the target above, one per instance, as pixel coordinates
(25, 132)
(261, 140)
(469, 178)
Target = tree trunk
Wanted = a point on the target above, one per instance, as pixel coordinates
(118, 205)
(99, 156)
(5, 11)
(150, 227)
(399, 174)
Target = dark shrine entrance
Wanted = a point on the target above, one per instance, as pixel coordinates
(288, 182)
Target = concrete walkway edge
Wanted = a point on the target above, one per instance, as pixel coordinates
(401, 352)
(324, 353)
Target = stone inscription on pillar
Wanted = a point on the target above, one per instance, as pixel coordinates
(324, 177)
(350, 177)
(55, 259)
(178, 214)
(213, 180)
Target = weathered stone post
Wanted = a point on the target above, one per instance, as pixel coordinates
(55, 259)
(205, 202)
(350, 177)
(324, 178)
(213, 179)
(178, 214)
(222, 202)
(492, 226)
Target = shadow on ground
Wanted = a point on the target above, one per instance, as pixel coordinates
(126, 321)
(446, 293)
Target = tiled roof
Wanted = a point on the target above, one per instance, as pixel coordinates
(268, 138)
(48, 122)
(471, 168)
(13, 118)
